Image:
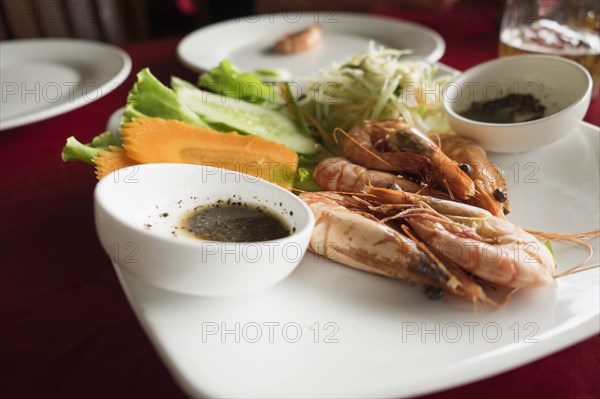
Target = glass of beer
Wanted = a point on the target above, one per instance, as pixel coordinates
(569, 28)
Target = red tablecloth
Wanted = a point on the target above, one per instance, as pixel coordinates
(66, 329)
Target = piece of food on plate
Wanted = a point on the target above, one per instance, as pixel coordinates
(298, 42)
(395, 146)
(150, 98)
(378, 84)
(491, 192)
(489, 247)
(154, 140)
(339, 174)
(114, 158)
(147, 98)
(225, 79)
(345, 233)
(77, 151)
(229, 113)
(463, 250)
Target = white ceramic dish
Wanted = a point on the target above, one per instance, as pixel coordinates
(331, 331)
(246, 41)
(42, 78)
(139, 215)
(563, 86)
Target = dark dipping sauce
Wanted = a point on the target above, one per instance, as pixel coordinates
(513, 108)
(235, 222)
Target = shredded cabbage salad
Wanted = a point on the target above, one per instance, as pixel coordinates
(376, 85)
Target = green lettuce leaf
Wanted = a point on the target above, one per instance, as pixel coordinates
(150, 98)
(76, 151)
(306, 166)
(228, 81)
(548, 245)
(226, 113)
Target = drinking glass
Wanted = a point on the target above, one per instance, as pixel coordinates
(569, 28)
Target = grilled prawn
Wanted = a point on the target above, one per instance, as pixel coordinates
(339, 174)
(346, 232)
(393, 145)
(489, 247)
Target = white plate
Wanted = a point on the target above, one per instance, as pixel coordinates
(43, 78)
(360, 335)
(246, 41)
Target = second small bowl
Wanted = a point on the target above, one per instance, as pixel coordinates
(562, 86)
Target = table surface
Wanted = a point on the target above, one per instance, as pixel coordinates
(66, 327)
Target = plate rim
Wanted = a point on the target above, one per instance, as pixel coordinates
(434, 57)
(108, 86)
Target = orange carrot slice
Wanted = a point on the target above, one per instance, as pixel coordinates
(109, 161)
(154, 140)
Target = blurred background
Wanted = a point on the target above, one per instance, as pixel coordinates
(130, 21)
(125, 22)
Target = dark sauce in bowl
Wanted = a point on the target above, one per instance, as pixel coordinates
(234, 222)
(513, 108)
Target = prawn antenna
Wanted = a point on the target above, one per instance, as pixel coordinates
(340, 130)
(575, 239)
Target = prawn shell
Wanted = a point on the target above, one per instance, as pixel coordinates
(348, 237)
(516, 259)
(486, 176)
(485, 245)
(339, 174)
(393, 145)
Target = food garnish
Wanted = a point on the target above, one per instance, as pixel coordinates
(150, 98)
(227, 80)
(114, 158)
(194, 107)
(154, 140)
(229, 113)
(76, 151)
(377, 85)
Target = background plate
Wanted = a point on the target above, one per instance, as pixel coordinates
(42, 78)
(246, 41)
(332, 331)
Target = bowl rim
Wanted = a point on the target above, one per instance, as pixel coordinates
(103, 185)
(492, 63)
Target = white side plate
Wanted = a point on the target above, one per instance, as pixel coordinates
(246, 41)
(42, 78)
(331, 331)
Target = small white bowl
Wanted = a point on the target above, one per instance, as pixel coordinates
(563, 86)
(139, 210)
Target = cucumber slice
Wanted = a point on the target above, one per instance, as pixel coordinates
(246, 118)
